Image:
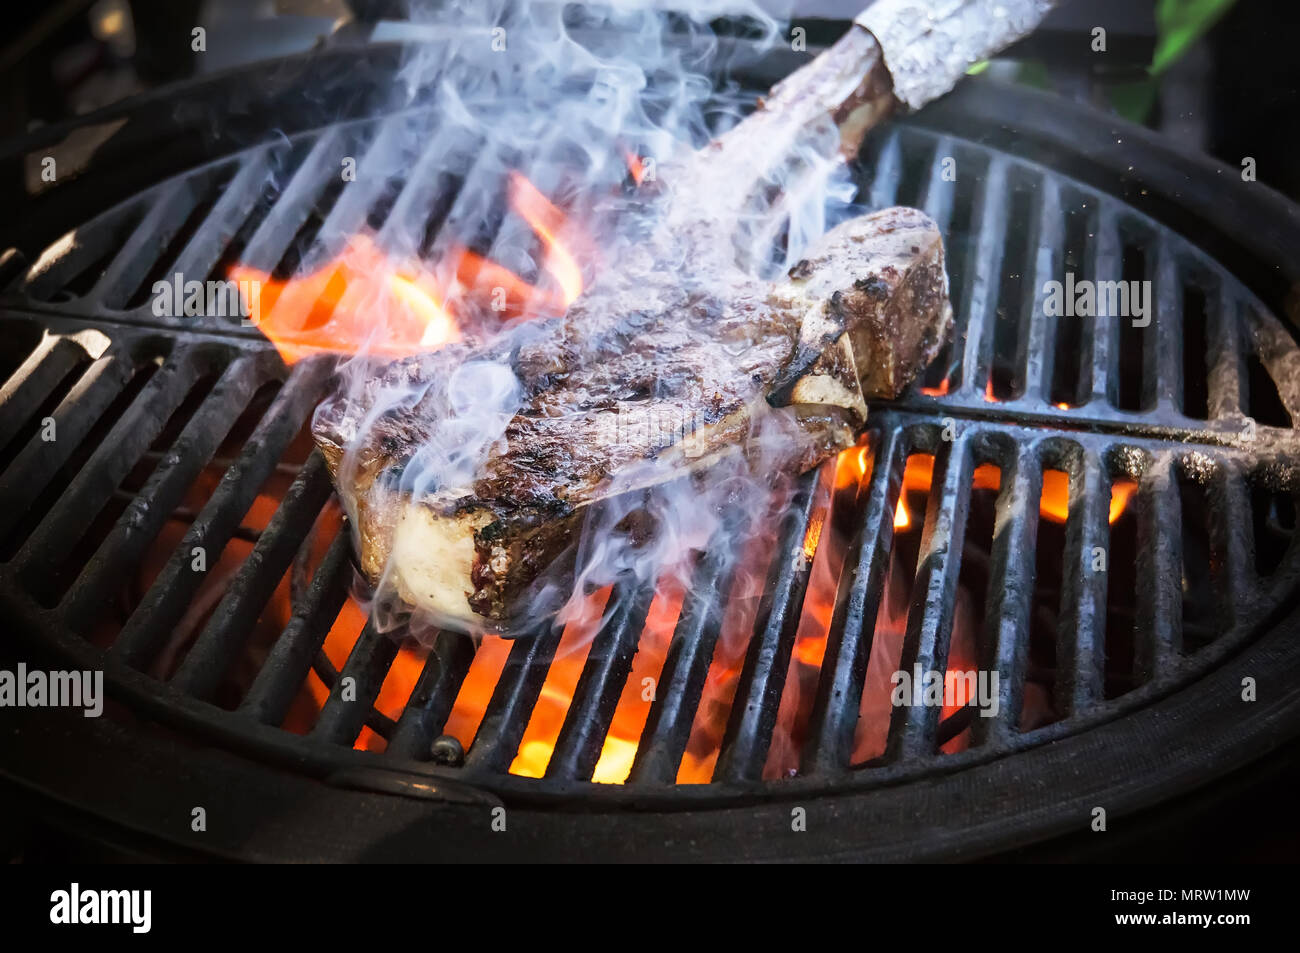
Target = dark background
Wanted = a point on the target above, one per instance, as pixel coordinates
(1234, 93)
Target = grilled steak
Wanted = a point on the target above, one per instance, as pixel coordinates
(468, 471)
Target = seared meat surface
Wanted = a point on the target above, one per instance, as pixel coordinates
(468, 471)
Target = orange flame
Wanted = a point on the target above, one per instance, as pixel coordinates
(814, 535)
(561, 682)
(1054, 504)
(824, 547)
(547, 220)
(635, 166)
(365, 301)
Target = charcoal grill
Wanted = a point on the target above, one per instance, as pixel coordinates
(1200, 406)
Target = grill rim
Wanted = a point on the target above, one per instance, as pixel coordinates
(740, 831)
(1015, 103)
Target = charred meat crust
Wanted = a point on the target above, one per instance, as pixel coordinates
(655, 369)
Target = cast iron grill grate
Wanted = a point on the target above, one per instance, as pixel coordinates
(1196, 410)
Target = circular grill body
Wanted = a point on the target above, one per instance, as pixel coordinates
(1040, 187)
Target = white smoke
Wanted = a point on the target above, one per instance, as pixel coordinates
(565, 94)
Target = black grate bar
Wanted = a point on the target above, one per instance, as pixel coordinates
(834, 717)
(1168, 321)
(74, 256)
(215, 649)
(37, 463)
(982, 280)
(512, 703)
(443, 156)
(1080, 650)
(888, 171)
(1158, 627)
(110, 462)
(913, 728)
(31, 384)
(1226, 361)
(289, 661)
(318, 171)
(171, 204)
(170, 594)
(578, 746)
(1012, 574)
(1040, 352)
(762, 678)
(353, 693)
(476, 212)
(938, 194)
(686, 665)
(1104, 263)
(1272, 348)
(514, 242)
(203, 251)
(1232, 545)
(433, 697)
(348, 213)
(145, 515)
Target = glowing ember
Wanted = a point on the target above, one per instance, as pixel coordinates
(814, 535)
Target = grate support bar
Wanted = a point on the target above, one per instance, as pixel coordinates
(1040, 351)
(37, 463)
(913, 728)
(282, 674)
(108, 465)
(174, 588)
(203, 251)
(762, 679)
(170, 205)
(1232, 543)
(1080, 651)
(272, 238)
(236, 615)
(32, 383)
(1104, 263)
(434, 695)
(834, 717)
(353, 694)
(145, 515)
(1226, 360)
(1168, 321)
(1012, 575)
(517, 689)
(686, 666)
(1158, 628)
(981, 292)
(578, 746)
